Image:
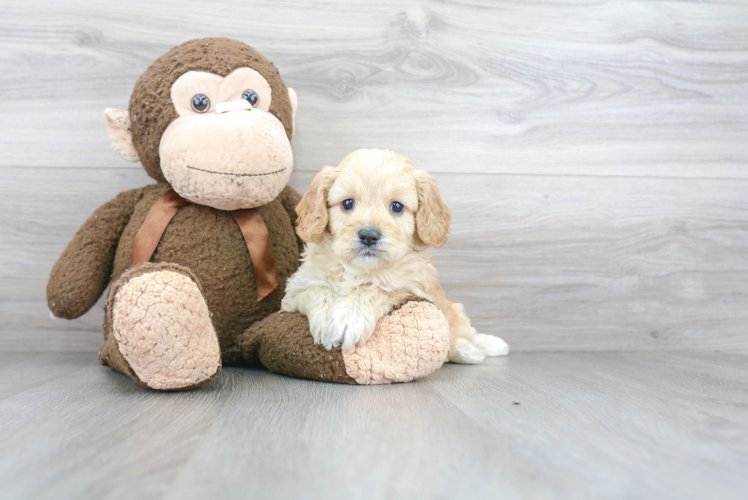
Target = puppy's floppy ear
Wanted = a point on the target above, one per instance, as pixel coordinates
(433, 216)
(312, 209)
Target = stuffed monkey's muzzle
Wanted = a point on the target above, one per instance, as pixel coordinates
(237, 157)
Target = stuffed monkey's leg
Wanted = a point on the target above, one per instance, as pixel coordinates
(283, 343)
(158, 329)
(410, 342)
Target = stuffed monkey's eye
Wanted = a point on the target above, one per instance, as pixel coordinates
(200, 103)
(348, 205)
(251, 97)
(396, 207)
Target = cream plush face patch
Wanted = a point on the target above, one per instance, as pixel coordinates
(226, 150)
(218, 89)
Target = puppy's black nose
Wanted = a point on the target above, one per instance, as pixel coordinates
(369, 237)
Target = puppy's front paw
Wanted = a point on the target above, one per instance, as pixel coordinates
(320, 324)
(463, 351)
(342, 326)
(491, 345)
(352, 326)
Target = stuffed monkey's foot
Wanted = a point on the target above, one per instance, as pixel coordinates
(409, 343)
(159, 329)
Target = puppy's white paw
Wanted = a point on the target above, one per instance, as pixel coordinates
(319, 325)
(351, 326)
(491, 345)
(466, 353)
(342, 326)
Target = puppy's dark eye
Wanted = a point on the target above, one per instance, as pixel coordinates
(348, 205)
(396, 207)
(200, 103)
(251, 97)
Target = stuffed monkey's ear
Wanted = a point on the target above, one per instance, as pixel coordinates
(118, 125)
(433, 216)
(294, 104)
(312, 209)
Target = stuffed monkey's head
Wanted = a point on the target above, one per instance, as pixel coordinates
(213, 118)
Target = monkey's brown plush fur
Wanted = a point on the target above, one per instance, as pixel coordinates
(158, 330)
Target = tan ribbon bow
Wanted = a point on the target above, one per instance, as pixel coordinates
(253, 228)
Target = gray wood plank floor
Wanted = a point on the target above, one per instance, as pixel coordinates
(532, 425)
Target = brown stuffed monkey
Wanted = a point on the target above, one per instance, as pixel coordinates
(198, 262)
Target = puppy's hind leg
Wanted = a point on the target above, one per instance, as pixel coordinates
(467, 345)
(491, 345)
(463, 351)
(461, 348)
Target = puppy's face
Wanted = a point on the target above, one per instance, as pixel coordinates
(376, 207)
(371, 210)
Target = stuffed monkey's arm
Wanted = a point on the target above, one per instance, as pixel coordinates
(82, 272)
(289, 199)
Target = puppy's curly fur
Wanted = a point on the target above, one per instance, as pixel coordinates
(368, 224)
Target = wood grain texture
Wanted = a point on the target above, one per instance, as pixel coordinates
(532, 425)
(547, 262)
(660, 418)
(593, 153)
(134, 439)
(582, 87)
(594, 156)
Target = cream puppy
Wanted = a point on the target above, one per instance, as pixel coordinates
(368, 224)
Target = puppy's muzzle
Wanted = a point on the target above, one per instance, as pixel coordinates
(369, 237)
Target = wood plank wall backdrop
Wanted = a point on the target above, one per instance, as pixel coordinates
(595, 154)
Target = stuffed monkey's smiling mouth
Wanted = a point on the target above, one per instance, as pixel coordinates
(235, 175)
